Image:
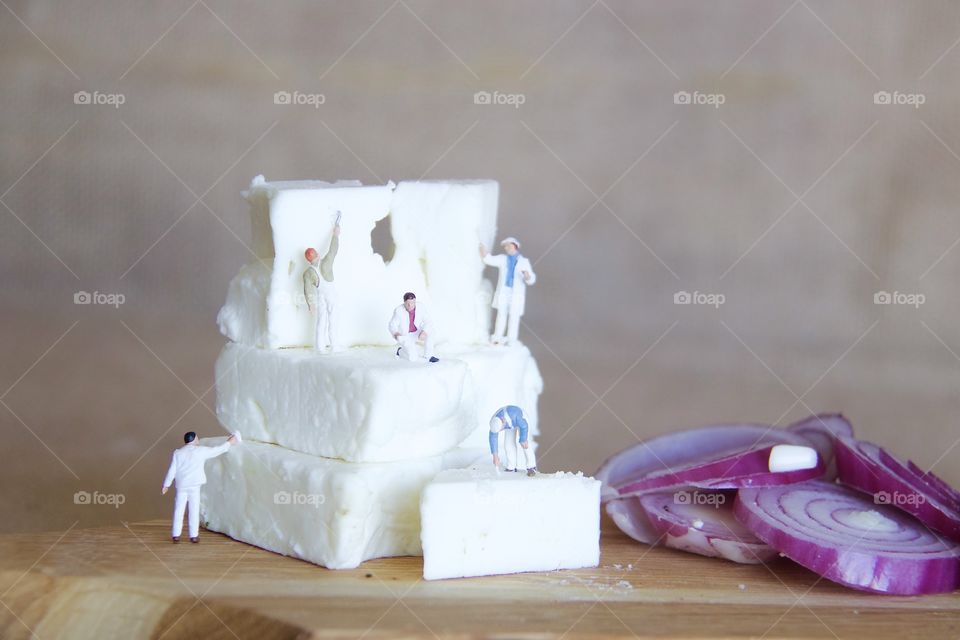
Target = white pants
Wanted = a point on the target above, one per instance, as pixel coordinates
(187, 496)
(506, 321)
(409, 348)
(324, 309)
(512, 451)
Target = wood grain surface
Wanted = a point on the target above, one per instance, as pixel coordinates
(130, 581)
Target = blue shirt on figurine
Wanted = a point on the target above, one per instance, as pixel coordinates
(508, 417)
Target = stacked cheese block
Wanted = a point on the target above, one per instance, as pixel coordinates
(339, 446)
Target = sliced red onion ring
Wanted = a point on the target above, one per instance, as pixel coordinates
(630, 518)
(867, 467)
(760, 467)
(841, 535)
(701, 522)
(820, 430)
(686, 447)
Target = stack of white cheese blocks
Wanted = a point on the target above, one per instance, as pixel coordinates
(338, 447)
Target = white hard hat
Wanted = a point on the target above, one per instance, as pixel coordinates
(510, 240)
(496, 425)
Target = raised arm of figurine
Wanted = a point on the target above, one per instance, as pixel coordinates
(326, 265)
(490, 259)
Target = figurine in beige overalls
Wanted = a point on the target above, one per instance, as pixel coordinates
(321, 294)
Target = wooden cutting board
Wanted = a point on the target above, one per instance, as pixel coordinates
(132, 582)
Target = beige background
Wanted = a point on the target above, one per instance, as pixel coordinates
(621, 196)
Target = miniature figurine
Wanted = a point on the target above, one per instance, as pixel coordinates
(516, 274)
(409, 324)
(321, 293)
(187, 469)
(507, 419)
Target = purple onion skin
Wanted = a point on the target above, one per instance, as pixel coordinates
(684, 447)
(820, 430)
(892, 571)
(704, 529)
(867, 467)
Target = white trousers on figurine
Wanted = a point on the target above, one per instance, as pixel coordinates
(506, 320)
(511, 449)
(187, 496)
(325, 316)
(409, 348)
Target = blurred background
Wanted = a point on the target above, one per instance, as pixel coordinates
(790, 169)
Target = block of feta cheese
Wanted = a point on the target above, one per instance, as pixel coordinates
(365, 405)
(332, 513)
(361, 405)
(434, 225)
(476, 522)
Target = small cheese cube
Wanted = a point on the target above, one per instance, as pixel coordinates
(476, 522)
(332, 513)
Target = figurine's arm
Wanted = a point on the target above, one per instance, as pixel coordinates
(309, 282)
(326, 265)
(394, 326)
(494, 260)
(494, 442)
(529, 277)
(219, 450)
(171, 473)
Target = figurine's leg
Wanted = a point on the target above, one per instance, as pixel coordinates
(193, 511)
(528, 453)
(408, 347)
(513, 327)
(500, 326)
(179, 505)
(428, 346)
(510, 449)
(332, 335)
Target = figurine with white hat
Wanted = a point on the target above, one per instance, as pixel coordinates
(516, 274)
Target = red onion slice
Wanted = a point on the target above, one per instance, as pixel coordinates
(702, 522)
(820, 430)
(867, 467)
(839, 534)
(686, 447)
(630, 518)
(761, 467)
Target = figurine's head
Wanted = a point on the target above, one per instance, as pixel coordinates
(311, 255)
(189, 437)
(510, 245)
(497, 424)
(409, 301)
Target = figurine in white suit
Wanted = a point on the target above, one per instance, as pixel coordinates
(516, 274)
(409, 324)
(187, 469)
